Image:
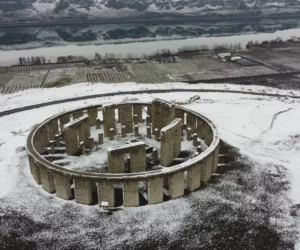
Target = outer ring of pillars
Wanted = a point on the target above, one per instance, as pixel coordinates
(84, 187)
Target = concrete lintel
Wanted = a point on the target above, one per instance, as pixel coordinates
(76, 122)
(127, 148)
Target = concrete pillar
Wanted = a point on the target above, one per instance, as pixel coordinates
(156, 134)
(82, 148)
(91, 144)
(136, 130)
(206, 169)
(112, 134)
(106, 192)
(163, 113)
(179, 114)
(77, 114)
(138, 160)
(31, 163)
(98, 123)
(189, 134)
(93, 114)
(194, 177)
(191, 122)
(109, 120)
(62, 121)
(200, 128)
(199, 149)
(52, 147)
(62, 186)
(41, 138)
(126, 117)
(127, 160)
(177, 138)
(215, 159)
(148, 121)
(155, 190)
(116, 163)
(35, 169)
(119, 115)
(83, 191)
(57, 140)
(138, 110)
(131, 194)
(149, 111)
(135, 120)
(209, 135)
(149, 132)
(176, 185)
(84, 131)
(123, 131)
(170, 142)
(47, 180)
(53, 128)
(195, 140)
(154, 156)
(182, 129)
(100, 135)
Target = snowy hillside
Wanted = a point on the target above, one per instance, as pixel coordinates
(252, 205)
(74, 9)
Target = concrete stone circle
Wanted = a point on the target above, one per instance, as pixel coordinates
(163, 121)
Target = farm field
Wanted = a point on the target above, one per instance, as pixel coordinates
(65, 76)
(115, 73)
(282, 60)
(190, 67)
(40, 67)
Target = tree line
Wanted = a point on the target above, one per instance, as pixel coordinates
(34, 60)
(39, 60)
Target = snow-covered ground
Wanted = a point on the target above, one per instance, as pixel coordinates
(265, 129)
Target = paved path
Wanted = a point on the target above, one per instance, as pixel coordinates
(153, 91)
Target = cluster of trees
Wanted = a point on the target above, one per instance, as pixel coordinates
(34, 60)
(263, 44)
(107, 56)
(226, 46)
(66, 59)
(191, 48)
(38, 60)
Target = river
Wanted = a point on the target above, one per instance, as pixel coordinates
(134, 39)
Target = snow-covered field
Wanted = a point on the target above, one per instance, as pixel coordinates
(247, 207)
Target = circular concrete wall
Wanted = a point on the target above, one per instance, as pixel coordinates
(128, 189)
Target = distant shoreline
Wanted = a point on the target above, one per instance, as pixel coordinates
(152, 20)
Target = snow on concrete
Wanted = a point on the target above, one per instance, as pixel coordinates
(266, 129)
